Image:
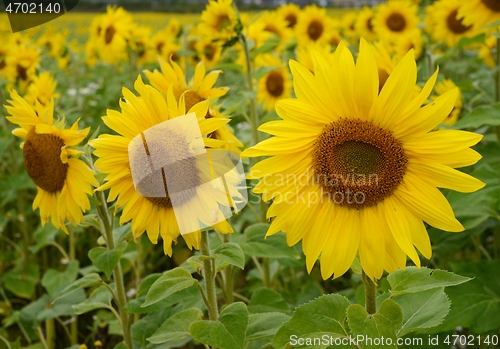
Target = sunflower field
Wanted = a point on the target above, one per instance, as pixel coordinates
(300, 177)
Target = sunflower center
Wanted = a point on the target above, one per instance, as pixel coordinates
(223, 22)
(275, 84)
(42, 159)
(396, 22)
(357, 163)
(291, 19)
(181, 174)
(456, 25)
(493, 5)
(369, 24)
(210, 51)
(159, 46)
(109, 34)
(22, 72)
(190, 97)
(314, 30)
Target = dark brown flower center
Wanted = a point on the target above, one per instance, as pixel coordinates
(369, 24)
(159, 46)
(396, 22)
(22, 72)
(179, 177)
(314, 30)
(209, 51)
(357, 163)
(454, 24)
(42, 159)
(291, 19)
(190, 97)
(275, 84)
(493, 5)
(109, 34)
(223, 22)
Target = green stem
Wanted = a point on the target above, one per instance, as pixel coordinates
(209, 275)
(107, 228)
(497, 74)
(72, 256)
(370, 294)
(51, 333)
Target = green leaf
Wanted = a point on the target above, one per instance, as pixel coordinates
(264, 325)
(385, 323)
(421, 310)
(265, 300)
(258, 245)
(121, 345)
(176, 327)
(22, 280)
(106, 260)
(172, 281)
(465, 41)
(122, 232)
(475, 304)
(267, 46)
(325, 315)
(63, 306)
(148, 325)
(98, 299)
(88, 280)
(228, 332)
(230, 253)
(187, 298)
(44, 236)
(483, 115)
(414, 280)
(54, 280)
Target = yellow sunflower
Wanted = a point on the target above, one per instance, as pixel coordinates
(289, 12)
(362, 172)
(479, 13)
(304, 57)
(219, 20)
(395, 18)
(141, 44)
(274, 85)
(313, 25)
(63, 181)
(441, 88)
(155, 214)
(42, 89)
(276, 25)
(447, 27)
(364, 25)
(348, 25)
(21, 65)
(412, 40)
(209, 52)
(113, 31)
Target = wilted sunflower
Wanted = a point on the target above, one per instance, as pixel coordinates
(479, 13)
(362, 172)
(155, 215)
(447, 27)
(219, 20)
(395, 18)
(63, 181)
(274, 85)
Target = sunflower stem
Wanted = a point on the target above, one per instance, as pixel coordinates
(497, 73)
(209, 275)
(370, 294)
(107, 227)
(72, 256)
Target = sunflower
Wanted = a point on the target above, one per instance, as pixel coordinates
(119, 154)
(348, 25)
(209, 52)
(290, 13)
(21, 65)
(412, 40)
(441, 88)
(364, 26)
(42, 89)
(395, 18)
(313, 25)
(304, 57)
(113, 31)
(479, 13)
(354, 171)
(63, 181)
(219, 20)
(447, 27)
(141, 44)
(274, 85)
(273, 24)
(485, 51)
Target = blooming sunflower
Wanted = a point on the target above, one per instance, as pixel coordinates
(274, 85)
(441, 88)
(364, 26)
(290, 12)
(313, 25)
(63, 181)
(412, 40)
(447, 27)
(219, 20)
(155, 215)
(479, 13)
(42, 89)
(276, 25)
(348, 25)
(395, 18)
(141, 44)
(304, 57)
(209, 52)
(362, 172)
(21, 65)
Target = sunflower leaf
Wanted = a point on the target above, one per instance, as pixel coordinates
(264, 325)
(169, 283)
(377, 330)
(483, 115)
(414, 280)
(88, 280)
(324, 317)
(231, 253)
(106, 260)
(176, 327)
(228, 332)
